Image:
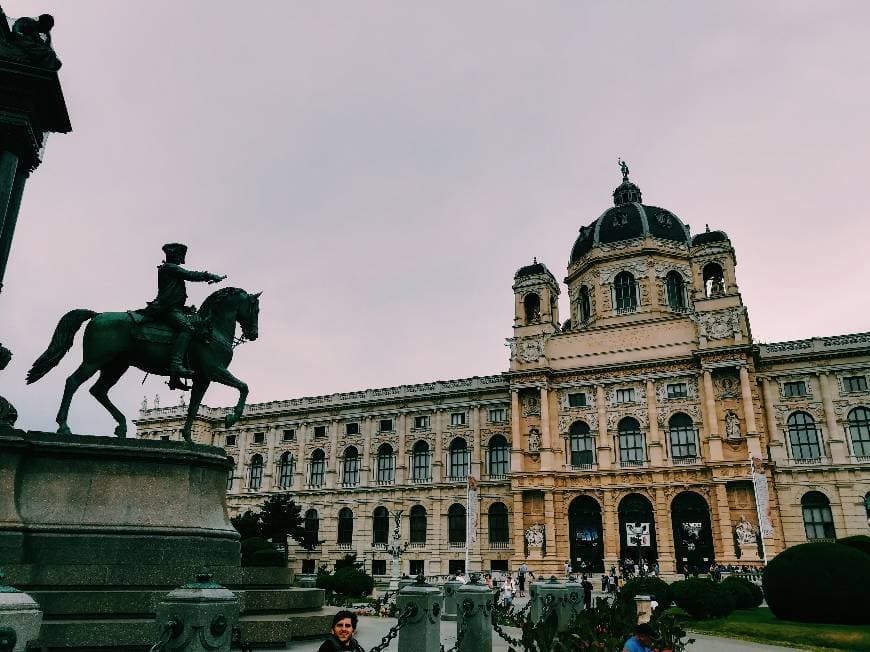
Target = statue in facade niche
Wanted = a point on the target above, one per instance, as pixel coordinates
(745, 532)
(149, 340)
(534, 441)
(535, 536)
(732, 426)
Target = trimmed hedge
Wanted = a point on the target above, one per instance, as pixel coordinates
(859, 542)
(259, 552)
(746, 594)
(653, 586)
(703, 598)
(347, 582)
(819, 583)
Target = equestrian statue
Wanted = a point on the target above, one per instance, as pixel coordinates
(166, 338)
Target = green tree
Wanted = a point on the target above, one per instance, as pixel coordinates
(281, 518)
(247, 525)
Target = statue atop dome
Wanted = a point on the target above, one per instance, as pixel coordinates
(623, 166)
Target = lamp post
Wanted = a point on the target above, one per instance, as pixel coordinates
(395, 549)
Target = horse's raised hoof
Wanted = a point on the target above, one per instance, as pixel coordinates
(121, 431)
(64, 430)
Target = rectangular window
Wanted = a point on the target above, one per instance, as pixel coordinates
(351, 429)
(164, 437)
(259, 437)
(421, 423)
(386, 425)
(416, 567)
(499, 565)
(289, 435)
(794, 388)
(231, 440)
(625, 395)
(379, 566)
(308, 567)
(457, 419)
(319, 432)
(456, 566)
(577, 399)
(497, 415)
(678, 390)
(855, 384)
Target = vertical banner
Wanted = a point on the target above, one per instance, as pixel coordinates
(762, 497)
(472, 512)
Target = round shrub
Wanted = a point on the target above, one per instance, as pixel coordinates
(746, 594)
(702, 598)
(819, 583)
(859, 542)
(352, 582)
(653, 586)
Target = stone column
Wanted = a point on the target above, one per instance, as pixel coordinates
(333, 472)
(438, 453)
(753, 441)
(837, 447)
(655, 445)
(711, 419)
(604, 456)
(549, 523)
(546, 438)
(664, 532)
(610, 525)
(401, 455)
(300, 470)
(476, 467)
(519, 527)
(725, 549)
(516, 439)
(775, 442)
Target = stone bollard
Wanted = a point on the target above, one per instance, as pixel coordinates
(20, 618)
(449, 589)
(643, 604)
(474, 616)
(422, 631)
(197, 617)
(535, 599)
(573, 602)
(551, 595)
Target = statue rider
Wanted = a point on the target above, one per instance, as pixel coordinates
(169, 306)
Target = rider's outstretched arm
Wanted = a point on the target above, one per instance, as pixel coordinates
(190, 275)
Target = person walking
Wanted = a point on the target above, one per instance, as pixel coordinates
(507, 591)
(568, 568)
(587, 592)
(521, 579)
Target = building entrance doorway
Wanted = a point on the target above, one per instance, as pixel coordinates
(584, 527)
(693, 536)
(637, 533)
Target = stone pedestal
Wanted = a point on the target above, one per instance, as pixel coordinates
(197, 617)
(552, 595)
(422, 631)
(449, 589)
(474, 616)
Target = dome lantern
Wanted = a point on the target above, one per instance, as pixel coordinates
(626, 192)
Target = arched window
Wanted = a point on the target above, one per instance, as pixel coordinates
(285, 470)
(532, 306)
(456, 523)
(803, 437)
(499, 456)
(350, 475)
(312, 529)
(631, 443)
(585, 305)
(386, 464)
(676, 290)
(420, 462)
(231, 473)
(581, 445)
(498, 523)
(380, 525)
(255, 473)
(625, 291)
(345, 526)
(818, 520)
(418, 524)
(714, 280)
(318, 468)
(859, 431)
(458, 459)
(684, 445)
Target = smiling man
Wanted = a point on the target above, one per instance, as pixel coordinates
(341, 639)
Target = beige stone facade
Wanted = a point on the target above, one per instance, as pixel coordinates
(631, 422)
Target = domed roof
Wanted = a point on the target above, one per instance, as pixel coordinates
(627, 220)
(533, 269)
(709, 237)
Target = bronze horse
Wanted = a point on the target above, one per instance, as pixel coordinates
(110, 347)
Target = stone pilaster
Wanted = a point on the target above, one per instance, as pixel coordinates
(655, 445)
(776, 445)
(753, 441)
(604, 453)
(546, 436)
(664, 532)
(711, 418)
(838, 450)
(516, 438)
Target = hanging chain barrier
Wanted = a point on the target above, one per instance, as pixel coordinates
(171, 629)
(467, 611)
(409, 612)
(513, 643)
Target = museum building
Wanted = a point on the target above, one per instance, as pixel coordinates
(622, 432)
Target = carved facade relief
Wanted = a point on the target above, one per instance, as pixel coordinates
(718, 325)
(531, 405)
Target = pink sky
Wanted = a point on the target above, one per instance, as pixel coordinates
(381, 169)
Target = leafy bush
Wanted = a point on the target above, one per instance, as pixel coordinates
(352, 582)
(653, 586)
(259, 552)
(746, 594)
(859, 542)
(676, 613)
(819, 582)
(702, 598)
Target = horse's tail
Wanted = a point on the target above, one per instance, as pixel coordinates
(61, 342)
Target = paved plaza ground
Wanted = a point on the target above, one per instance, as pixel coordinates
(372, 629)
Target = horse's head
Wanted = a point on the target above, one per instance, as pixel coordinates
(248, 316)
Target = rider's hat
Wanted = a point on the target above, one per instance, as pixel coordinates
(175, 248)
